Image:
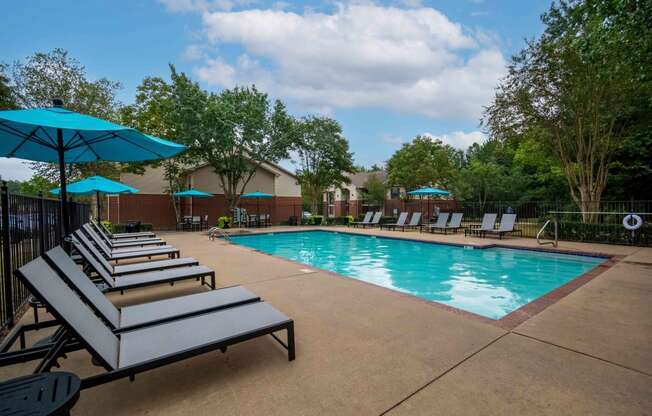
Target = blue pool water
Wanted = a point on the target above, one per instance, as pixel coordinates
(491, 282)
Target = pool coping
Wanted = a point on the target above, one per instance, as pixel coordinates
(507, 322)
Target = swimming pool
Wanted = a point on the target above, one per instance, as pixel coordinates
(491, 282)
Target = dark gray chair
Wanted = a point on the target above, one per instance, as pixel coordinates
(365, 220)
(123, 254)
(399, 223)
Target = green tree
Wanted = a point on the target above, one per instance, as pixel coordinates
(35, 185)
(7, 99)
(571, 88)
(375, 190)
(152, 113)
(423, 162)
(234, 132)
(46, 76)
(323, 156)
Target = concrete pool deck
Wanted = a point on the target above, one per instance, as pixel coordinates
(366, 350)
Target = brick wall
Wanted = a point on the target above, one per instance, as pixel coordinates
(157, 209)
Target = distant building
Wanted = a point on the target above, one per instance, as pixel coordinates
(152, 205)
(348, 199)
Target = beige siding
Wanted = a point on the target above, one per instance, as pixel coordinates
(204, 179)
(151, 182)
(287, 185)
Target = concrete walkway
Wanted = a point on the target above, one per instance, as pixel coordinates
(366, 350)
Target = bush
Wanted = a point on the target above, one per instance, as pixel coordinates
(108, 225)
(224, 222)
(122, 228)
(315, 220)
(345, 220)
(603, 233)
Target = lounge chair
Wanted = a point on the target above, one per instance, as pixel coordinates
(442, 219)
(375, 221)
(415, 222)
(146, 278)
(488, 223)
(399, 223)
(117, 236)
(88, 251)
(146, 314)
(365, 220)
(507, 222)
(454, 224)
(129, 353)
(122, 254)
(124, 241)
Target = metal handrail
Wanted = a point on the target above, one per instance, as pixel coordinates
(554, 243)
(217, 230)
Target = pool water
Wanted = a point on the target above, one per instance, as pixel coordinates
(491, 282)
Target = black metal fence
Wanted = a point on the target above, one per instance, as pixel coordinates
(29, 227)
(604, 227)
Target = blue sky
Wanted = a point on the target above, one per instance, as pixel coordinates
(386, 70)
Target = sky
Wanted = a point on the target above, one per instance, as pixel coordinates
(386, 70)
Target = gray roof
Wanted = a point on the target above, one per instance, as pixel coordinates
(360, 178)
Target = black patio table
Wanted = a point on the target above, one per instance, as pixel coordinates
(39, 394)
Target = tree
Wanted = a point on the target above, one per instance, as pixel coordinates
(323, 156)
(375, 190)
(35, 185)
(7, 99)
(46, 76)
(152, 113)
(423, 162)
(572, 88)
(234, 132)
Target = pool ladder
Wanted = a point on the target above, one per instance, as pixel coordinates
(218, 232)
(554, 242)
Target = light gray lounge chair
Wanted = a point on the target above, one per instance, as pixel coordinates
(122, 254)
(133, 316)
(488, 223)
(375, 221)
(132, 352)
(442, 219)
(507, 223)
(365, 220)
(415, 222)
(399, 223)
(88, 251)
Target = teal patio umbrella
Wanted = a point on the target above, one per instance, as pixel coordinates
(258, 196)
(56, 134)
(428, 192)
(96, 185)
(192, 193)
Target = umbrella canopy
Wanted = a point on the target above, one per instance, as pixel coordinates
(428, 192)
(59, 135)
(95, 184)
(256, 195)
(193, 193)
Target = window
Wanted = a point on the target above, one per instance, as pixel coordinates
(395, 192)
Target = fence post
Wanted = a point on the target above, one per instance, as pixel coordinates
(6, 255)
(41, 222)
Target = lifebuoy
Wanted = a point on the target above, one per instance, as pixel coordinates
(638, 222)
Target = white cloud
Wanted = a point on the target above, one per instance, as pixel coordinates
(459, 139)
(360, 55)
(15, 169)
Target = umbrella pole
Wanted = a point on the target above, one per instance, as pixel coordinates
(63, 193)
(97, 198)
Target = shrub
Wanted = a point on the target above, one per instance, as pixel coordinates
(224, 222)
(340, 220)
(316, 220)
(603, 233)
(108, 225)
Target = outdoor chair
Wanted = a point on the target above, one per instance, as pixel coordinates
(123, 254)
(375, 221)
(196, 223)
(117, 236)
(488, 223)
(402, 218)
(144, 314)
(146, 278)
(129, 353)
(415, 222)
(87, 250)
(365, 220)
(442, 219)
(507, 222)
(126, 243)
